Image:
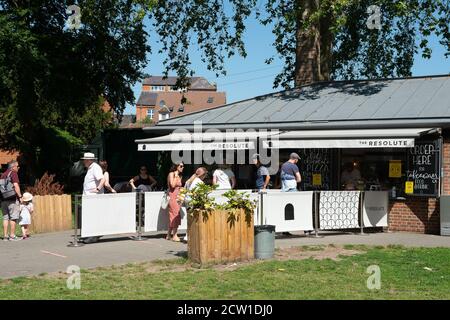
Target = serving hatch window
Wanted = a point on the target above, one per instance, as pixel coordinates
(402, 172)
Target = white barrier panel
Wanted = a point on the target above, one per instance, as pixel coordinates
(339, 209)
(156, 218)
(288, 211)
(104, 214)
(375, 211)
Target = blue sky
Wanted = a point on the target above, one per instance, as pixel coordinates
(251, 77)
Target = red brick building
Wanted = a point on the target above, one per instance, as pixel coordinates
(6, 157)
(160, 100)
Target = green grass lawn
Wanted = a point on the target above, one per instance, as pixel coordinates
(18, 228)
(418, 273)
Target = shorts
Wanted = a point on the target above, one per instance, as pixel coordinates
(288, 185)
(11, 210)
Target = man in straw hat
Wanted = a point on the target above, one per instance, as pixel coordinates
(94, 179)
(93, 182)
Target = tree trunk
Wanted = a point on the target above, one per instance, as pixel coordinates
(314, 46)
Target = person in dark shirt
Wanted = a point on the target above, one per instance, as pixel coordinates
(262, 174)
(143, 180)
(10, 206)
(290, 174)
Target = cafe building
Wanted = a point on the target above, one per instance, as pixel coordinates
(389, 135)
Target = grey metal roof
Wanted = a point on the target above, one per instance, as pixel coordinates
(363, 103)
(147, 98)
(198, 83)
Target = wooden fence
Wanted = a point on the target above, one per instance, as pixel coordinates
(51, 213)
(216, 241)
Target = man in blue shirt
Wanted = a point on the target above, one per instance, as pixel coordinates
(262, 175)
(290, 174)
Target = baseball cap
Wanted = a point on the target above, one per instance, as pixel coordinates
(294, 156)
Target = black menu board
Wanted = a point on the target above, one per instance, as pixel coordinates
(423, 167)
(315, 168)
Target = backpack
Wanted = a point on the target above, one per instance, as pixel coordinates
(7, 188)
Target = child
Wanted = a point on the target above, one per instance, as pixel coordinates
(26, 209)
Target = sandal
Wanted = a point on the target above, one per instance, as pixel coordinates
(176, 239)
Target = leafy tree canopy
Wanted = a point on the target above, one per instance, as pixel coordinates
(345, 47)
(54, 80)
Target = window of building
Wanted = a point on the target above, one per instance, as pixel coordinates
(150, 113)
(157, 88)
(162, 103)
(210, 100)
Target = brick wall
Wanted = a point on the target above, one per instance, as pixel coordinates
(421, 214)
(197, 101)
(415, 214)
(5, 157)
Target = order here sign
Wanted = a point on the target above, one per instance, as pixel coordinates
(423, 171)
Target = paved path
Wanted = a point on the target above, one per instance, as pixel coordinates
(47, 253)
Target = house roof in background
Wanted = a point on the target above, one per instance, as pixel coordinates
(196, 83)
(147, 98)
(351, 104)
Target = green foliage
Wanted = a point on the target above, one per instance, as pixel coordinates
(238, 201)
(216, 26)
(348, 48)
(53, 81)
(357, 51)
(402, 277)
(146, 121)
(199, 200)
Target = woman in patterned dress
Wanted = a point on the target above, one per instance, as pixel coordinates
(174, 185)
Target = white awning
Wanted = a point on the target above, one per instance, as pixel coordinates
(376, 138)
(211, 140)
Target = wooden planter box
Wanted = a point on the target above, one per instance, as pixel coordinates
(215, 241)
(51, 213)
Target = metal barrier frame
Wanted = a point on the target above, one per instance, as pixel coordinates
(140, 197)
(75, 243)
(260, 209)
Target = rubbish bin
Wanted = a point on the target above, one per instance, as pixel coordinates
(264, 241)
(445, 215)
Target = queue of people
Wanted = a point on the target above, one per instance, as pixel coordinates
(18, 207)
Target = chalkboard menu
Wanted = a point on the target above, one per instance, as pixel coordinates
(315, 169)
(423, 168)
